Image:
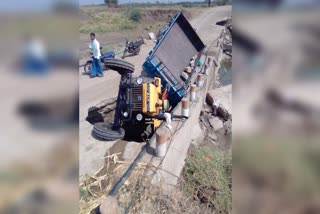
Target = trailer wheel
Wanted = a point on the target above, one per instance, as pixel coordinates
(119, 65)
(104, 131)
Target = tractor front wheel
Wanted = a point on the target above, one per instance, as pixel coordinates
(105, 131)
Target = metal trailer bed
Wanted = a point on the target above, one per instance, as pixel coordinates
(171, 55)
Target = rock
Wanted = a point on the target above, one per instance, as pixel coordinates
(216, 84)
(94, 116)
(213, 136)
(223, 113)
(224, 96)
(215, 123)
(227, 127)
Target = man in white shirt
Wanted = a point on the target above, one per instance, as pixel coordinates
(96, 69)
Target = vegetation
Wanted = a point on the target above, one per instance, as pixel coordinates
(107, 22)
(135, 14)
(207, 176)
(111, 2)
(171, 4)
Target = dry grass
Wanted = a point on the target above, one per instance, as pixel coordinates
(137, 195)
(107, 22)
(207, 176)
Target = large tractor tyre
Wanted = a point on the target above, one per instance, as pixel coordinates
(87, 68)
(104, 131)
(119, 65)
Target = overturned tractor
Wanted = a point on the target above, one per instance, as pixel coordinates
(140, 106)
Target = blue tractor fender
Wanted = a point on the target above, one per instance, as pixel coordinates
(109, 54)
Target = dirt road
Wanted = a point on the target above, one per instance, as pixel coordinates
(92, 91)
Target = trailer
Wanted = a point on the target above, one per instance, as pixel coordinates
(172, 53)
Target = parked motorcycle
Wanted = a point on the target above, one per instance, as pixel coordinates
(106, 55)
(132, 47)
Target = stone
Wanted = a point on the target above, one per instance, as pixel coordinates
(224, 95)
(223, 113)
(212, 135)
(215, 123)
(227, 127)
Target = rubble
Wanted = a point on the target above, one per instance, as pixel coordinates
(223, 96)
(216, 123)
(213, 136)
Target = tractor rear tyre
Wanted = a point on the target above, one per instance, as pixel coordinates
(104, 131)
(123, 67)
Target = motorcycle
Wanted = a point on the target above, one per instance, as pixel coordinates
(132, 47)
(106, 55)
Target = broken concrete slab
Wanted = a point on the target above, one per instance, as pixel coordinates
(212, 135)
(223, 95)
(216, 123)
(227, 127)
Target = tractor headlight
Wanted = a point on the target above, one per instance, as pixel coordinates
(125, 114)
(139, 117)
(139, 80)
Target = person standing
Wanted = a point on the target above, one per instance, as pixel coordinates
(96, 69)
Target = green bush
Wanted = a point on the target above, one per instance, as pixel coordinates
(135, 15)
